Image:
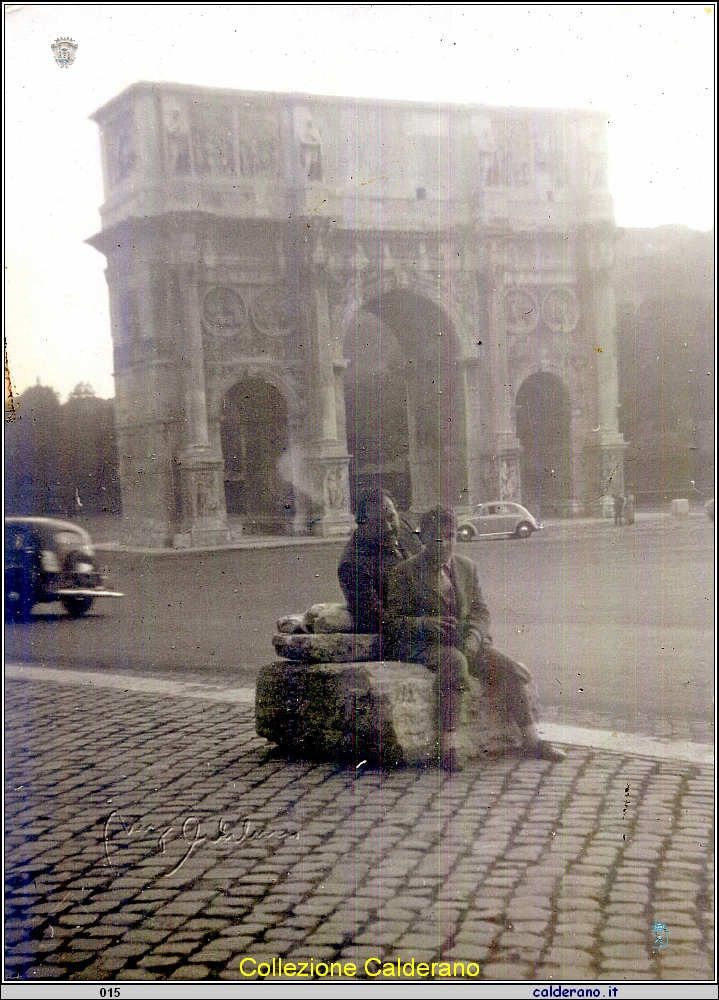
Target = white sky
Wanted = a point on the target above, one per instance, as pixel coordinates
(652, 66)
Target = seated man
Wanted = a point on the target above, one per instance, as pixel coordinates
(377, 546)
(436, 616)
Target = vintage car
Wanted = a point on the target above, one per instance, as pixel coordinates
(50, 560)
(499, 519)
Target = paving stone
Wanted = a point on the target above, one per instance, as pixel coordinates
(144, 935)
(142, 975)
(189, 971)
(508, 970)
(625, 970)
(464, 948)
(632, 950)
(575, 937)
(555, 972)
(44, 972)
(623, 934)
(159, 961)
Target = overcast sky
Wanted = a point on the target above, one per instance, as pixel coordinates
(651, 66)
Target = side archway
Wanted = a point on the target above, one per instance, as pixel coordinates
(254, 432)
(543, 429)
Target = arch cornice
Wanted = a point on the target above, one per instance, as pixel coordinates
(279, 377)
(529, 371)
(354, 291)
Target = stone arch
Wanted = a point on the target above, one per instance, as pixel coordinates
(255, 437)
(543, 416)
(404, 396)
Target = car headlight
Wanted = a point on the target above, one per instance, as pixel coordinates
(49, 562)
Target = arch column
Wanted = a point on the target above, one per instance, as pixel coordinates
(203, 516)
(474, 384)
(502, 476)
(328, 458)
(604, 468)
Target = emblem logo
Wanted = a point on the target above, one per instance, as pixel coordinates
(661, 937)
(64, 50)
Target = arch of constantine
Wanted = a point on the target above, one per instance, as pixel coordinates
(312, 294)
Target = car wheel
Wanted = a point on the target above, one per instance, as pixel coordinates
(523, 530)
(466, 533)
(76, 607)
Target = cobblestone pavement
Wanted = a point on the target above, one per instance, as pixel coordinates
(153, 837)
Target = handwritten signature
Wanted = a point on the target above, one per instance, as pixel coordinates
(191, 834)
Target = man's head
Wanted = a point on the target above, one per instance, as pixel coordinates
(377, 517)
(437, 532)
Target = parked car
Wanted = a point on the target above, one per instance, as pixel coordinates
(50, 560)
(499, 519)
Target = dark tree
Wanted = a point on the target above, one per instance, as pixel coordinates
(33, 478)
(665, 327)
(61, 459)
(89, 454)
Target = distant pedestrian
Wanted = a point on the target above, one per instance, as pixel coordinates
(629, 508)
(618, 509)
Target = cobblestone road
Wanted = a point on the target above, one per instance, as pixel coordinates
(154, 837)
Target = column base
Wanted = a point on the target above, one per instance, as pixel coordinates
(330, 476)
(203, 501)
(333, 525)
(199, 538)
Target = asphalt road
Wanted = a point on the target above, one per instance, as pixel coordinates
(617, 624)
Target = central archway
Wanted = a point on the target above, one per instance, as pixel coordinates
(404, 401)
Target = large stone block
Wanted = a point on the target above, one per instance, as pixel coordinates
(381, 711)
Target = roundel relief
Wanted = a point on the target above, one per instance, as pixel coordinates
(270, 312)
(224, 311)
(560, 310)
(521, 310)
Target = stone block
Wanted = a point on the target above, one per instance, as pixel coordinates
(328, 618)
(680, 508)
(291, 624)
(378, 710)
(326, 648)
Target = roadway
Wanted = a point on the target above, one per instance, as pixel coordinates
(618, 624)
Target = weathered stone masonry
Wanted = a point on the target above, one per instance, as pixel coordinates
(309, 293)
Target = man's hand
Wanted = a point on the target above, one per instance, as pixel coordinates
(473, 644)
(445, 630)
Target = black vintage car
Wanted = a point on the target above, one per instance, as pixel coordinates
(49, 560)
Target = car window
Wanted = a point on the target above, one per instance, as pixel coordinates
(68, 540)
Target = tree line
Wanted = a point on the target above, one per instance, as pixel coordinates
(61, 458)
(664, 286)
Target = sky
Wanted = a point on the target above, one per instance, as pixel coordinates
(651, 67)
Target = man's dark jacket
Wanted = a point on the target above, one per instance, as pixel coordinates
(414, 603)
(363, 572)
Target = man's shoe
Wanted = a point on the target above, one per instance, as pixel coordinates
(544, 751)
